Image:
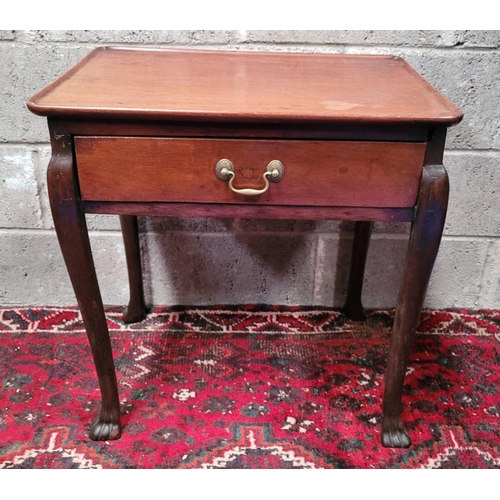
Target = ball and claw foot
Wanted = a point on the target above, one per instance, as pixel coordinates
(394, 434)
(134, 314)
(105, 431)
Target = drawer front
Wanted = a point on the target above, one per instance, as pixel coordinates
(317, 173)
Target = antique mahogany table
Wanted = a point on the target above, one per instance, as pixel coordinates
(246, 134)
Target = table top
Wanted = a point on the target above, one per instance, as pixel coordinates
(119, 83)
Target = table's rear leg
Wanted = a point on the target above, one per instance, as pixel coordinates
(71, 228)
(353, 307)
(423, 246)
(136, 310)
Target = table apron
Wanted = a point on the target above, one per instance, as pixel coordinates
(230, 211)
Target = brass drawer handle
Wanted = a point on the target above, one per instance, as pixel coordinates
(274, 173)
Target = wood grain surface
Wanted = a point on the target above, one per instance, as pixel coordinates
(244, 86)
(328, 173)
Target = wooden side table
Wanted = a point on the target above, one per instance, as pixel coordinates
(235, 134)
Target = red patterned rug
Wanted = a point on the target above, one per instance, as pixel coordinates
(248, 387)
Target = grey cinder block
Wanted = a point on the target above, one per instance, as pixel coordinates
(19, 201)
(33, 271)
(202, 261)
(24, 70)
(471, 80)
(136, 37)
(6, 34)
(474, 205)
(235, 268)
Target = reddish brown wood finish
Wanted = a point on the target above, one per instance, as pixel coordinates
(71, 229)
(151, 124)
(335, 173)
(257, 211)
(423, 247)
(244, 86)
(353, 307)
(136, 309)
(400, 132)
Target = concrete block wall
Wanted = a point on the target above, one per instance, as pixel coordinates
(206, 261)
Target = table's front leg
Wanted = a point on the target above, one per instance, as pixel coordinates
(71, 228)
(423, 246)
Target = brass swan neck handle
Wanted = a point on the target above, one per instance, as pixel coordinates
(274, 173)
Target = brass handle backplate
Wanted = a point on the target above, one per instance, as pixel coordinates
(274, 173)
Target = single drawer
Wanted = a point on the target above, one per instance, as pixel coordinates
(316, 173)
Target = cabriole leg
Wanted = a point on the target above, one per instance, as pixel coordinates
(423, 246)
(71, 228)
